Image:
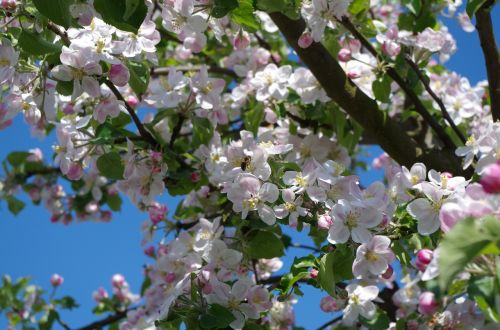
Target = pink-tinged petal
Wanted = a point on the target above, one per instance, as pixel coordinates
(338, 233)
(370, 217)
(92, 69)
(288, 195)
(428, 225)
(281, 212)
(269, 192)
(361, 235)
(266, 214)
(62, 72)
(91, 86)
(419, 208)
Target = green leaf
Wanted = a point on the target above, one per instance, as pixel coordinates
(379, 321)
(126, 15)
(34, 44)
(473, 6)
(222, 7)
(463, 243)
(110, 165)
(217, 317)
(14, 205)
(271, 6)
(334, 267)
(265, 244)
(244, 16)
(400, 252)
(357, 6)
(202, 131)
(65, 87)
(114, 202)
(55, 10)
(382, 89)
(66, 302)
(47, 320)
(253, 118)
(414, 6)
(17, 158)
(139, 77)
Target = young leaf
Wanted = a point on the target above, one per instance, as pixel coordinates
(202, 131)
(244, 16)
(265, 244)
(463, 243)
(34, 44)
(55, 10)
(110, 165)
(222, 7)
(127, 15)
(139, 77)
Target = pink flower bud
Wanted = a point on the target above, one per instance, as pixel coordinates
(490, 180)
(352, 75)
(305, 40)
(424, 257)
(35, 194)
(162, 250)
(325, 221)
(75, 172)
(132, 101)
(67, 218)
(195, 177)
(119, 74)
(427, 303)
(170, 277)
(150, 251)
(270, 116)
(9, 5)
(329, 304)
(157, 212)
(391, 48)
(100, 294)
(344, 55)
(241, 41)
(56, 280)
(55, 218)
(106, 216)
(117, 280)
(388, 273)
(314, 273)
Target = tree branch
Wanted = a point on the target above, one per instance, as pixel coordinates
(386, 132)
(331, 322)
(419, 106)
(142, 131)
(105, 322)
(485, 30)
(212, 68)
(436, 98)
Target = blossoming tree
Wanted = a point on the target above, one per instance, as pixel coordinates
(256, 113)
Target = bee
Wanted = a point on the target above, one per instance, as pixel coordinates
(246, 161)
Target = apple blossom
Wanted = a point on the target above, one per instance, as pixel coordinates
(374, 257)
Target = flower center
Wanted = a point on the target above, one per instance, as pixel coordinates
(4, 61)
(351, 220)
(414, 179)
(290, 207)
(354, 299)
(301, 181)
(251, 203)
(371, 256)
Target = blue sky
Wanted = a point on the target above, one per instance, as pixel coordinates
(88, 254)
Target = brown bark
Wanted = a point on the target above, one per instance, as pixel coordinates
(388, 133)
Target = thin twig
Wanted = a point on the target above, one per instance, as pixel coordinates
(419, 106)
(105, 322)
(306, 247)
(331, 322)
(436, 98)
(142, 130)
(212, 68)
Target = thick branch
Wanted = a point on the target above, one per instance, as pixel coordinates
(386, 132)
(419, 106)
(484, 27)
(436, 98)
(105, 322)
